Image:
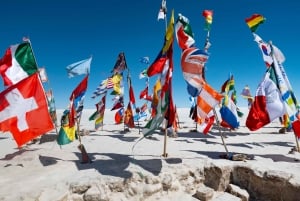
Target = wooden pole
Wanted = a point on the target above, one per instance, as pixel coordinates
(221, 134)
(165, 154)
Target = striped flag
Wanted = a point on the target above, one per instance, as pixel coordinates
(207, 100)
(208, 15)
(254, 21)
(184, 33)
(192, 64)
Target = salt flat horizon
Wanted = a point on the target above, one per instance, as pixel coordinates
(44, 170)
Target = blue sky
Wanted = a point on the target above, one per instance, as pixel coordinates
(64, 31)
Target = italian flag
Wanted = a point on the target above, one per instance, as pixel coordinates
(17, 63)
(267, 105)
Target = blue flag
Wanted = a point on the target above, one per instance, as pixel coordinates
(79, 68)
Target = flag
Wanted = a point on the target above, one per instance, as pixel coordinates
(158, 65)
(131, 93)
(78, 94)
(119, 103)
(207, 124)
(265, 49)
(145, 60)
(162, 11)
(208, 15)
(51, 106)
(128, 118)
(79, 68)
(143, 74)
(119, 116)
(17, 63)
(254, 21)
(184, 33)
(267, 104)
(287, 94)
(117, 80)
(67, 132)
(193, 61)
(228, 85)
(229, 113)
(43, 75)
(120, 64)
(207, 100)
(99, 121)
(24, 110)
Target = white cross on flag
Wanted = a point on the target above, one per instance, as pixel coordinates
(24, 110)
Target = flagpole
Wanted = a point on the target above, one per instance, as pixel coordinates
(206, 46)
(219, 126)
(289, 88)
(27, 39)
(165, 154)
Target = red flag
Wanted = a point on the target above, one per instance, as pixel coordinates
(131, 95)
(157, 66)
(24, 110)
(128, 119)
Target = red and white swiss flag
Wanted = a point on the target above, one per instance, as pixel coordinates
(24, 110)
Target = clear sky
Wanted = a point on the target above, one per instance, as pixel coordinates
(64, 31)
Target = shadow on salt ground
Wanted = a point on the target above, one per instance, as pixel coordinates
(244, 145)
(17, 153)
(48, 160)
(278, 143)
(228, 133)
(217, 154)
(194, 135)
(279, 158)
(118, 163)
(3, 138)
(122, 137)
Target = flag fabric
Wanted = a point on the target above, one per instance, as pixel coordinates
(267, 104)
(99, 121)
(207, 124)
(131, 92)
(265, 49)
(67, 132)
(193, 61)
(145, 60)
(143, 74)
(228, 85)
(43, 75)
(184, 33)
(24, 110)
(254, 21)
(158, 65)
(51, 106)
(229, 113)
(17, 63)
(118, 88)
(128, 117)
(119, 116)
(119, 103)
(78, 94)
(120, 64)
(287, 95)
(207, 100)
(162, 11)
(208, 15)
(79, 68)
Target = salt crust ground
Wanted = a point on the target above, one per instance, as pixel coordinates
(46, 169)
